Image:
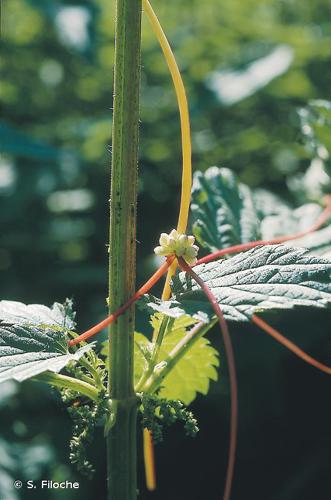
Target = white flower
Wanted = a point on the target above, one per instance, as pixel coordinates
(178, 244)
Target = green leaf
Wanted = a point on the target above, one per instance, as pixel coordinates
(317, 243)
(267, 203)
(192, 374)
(172, 308)
(142, 352)
(290, 222)
(266, 277)
(316, 130)
(222, 210)
(34, 339)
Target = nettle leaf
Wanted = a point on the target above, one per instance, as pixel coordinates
(34, 339)
(142, 351)
(222, 210)
(266, 277)
(173, 307)
(317, 243)
(267, 203)
(226, 213)
(192, 374)
(290, 222)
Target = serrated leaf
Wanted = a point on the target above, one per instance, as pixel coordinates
(301, 219)
(317, 243)
(290, 222)
(34, 339)
(60, 315)
(192, 374)
(220, 215)
(172, 308)
(267, 203)
(222, 210)
(267, 277)
(141, 345)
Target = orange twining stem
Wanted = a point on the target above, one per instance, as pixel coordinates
(281, 239)
(144, 289)
(208, 258)
(232, 374)
(290, 345)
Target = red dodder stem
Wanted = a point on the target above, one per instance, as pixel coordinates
(232, 375)
(290, 345)
(281, 239)
(144, 289)
(208, 258)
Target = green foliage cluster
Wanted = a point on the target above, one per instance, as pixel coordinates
(34, 340)
(192, 374)
(56, 97)
(226, 212)
(179, 362)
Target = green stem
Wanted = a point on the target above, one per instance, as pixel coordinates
(122, 436)
(63, 381)
(166, 323)
(165, 367)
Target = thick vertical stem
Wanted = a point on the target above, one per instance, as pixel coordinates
(122, 437)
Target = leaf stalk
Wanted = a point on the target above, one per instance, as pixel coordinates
(66, 382)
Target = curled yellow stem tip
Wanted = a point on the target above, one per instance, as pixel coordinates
(149, 461)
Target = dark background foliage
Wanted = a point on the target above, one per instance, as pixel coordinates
(248, 66)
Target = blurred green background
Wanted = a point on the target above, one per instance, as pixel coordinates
(248, 66)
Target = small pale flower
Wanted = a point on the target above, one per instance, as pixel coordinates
(178, 244)
(164, 238)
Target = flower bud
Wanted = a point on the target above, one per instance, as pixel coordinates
(178, 244)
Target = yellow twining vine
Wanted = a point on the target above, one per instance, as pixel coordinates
(185, 128)
(185, 191)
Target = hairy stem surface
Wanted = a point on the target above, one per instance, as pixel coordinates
(122, 251)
